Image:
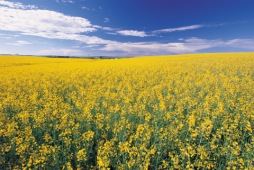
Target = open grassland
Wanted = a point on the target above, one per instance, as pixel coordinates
(179, 112)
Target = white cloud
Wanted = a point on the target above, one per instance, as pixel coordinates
(19, 43)
(48, 24)
(134, 33)
(108, 28)
(143, 48)
(191, 27)
(62, 51)
(84, 7)
(76, 37)
(111, 33)
(8, 36)
(5, 37)
(41, 21)
(168, 30)
(16, 5)
(105, 28)
(91, 46)
(191, 45)
(241, 43)
(147, 48)
(202, 43)
(106, 20)
(234, 43)
(65, 1)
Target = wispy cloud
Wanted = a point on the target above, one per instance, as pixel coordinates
(185, 28)
(105, 28)
(154, 48)
(152, 33)
(19, 43)
(84, 7)
(241, 43)
(111, 33)
(144, 48)
(65, 1)
(16, 5)
(8, 36)
(62, 51)
(134, 33)
(190, 45)
(106, 20)
(108, 28)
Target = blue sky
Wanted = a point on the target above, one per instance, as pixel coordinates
(125, 27)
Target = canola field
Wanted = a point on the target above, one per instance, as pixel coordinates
(167, 112)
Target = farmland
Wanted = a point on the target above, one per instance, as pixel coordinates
(164, 112)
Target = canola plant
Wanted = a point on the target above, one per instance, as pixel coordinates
(165, 112)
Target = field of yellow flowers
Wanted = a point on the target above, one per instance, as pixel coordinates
(167, 112)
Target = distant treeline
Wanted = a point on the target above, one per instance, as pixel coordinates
(87, 57)
(90, 57)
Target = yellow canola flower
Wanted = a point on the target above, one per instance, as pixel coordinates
(164, 112)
